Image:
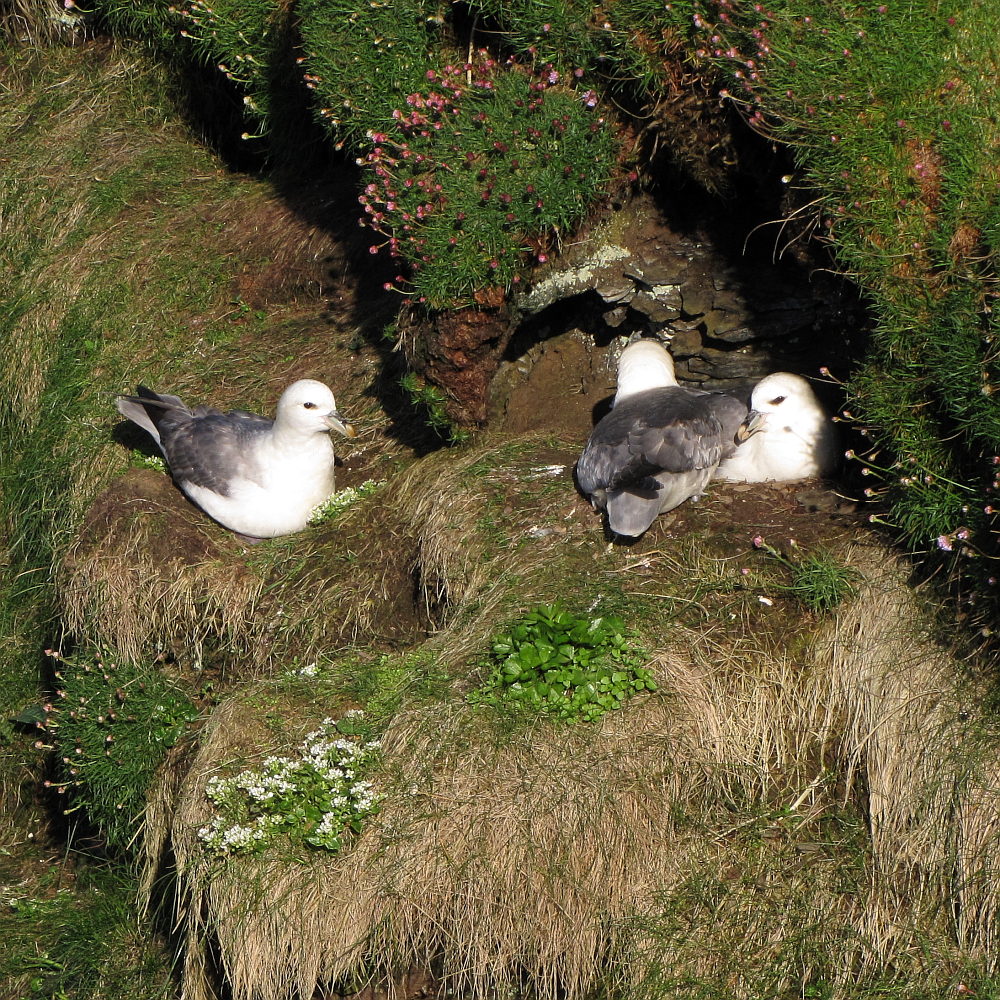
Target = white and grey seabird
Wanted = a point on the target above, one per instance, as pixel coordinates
(787, 435)
(660, 443)
(258, 477)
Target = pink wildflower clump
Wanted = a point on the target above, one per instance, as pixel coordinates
(452, 175)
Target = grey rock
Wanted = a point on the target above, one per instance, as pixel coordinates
(729, 364)
(697, 299)
(658, 311)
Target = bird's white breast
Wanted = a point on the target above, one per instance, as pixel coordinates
(783, 453)
(288, 481)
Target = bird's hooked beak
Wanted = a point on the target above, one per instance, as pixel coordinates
(754, 422)
(335, 423)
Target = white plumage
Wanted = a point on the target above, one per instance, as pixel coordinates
(659, 444)
(258, 477)
(787, 435)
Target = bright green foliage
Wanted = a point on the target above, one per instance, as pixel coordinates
(247, 42)
(318, 796)
(467, 162)
(821, 583)
(471, 163)
(82, 942)
(818, 580)
(891, 112)
(152, 20)
(363, 58)
(569, 666)
(111, 725)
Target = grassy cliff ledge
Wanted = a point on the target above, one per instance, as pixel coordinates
(320, 760)
(888, 109)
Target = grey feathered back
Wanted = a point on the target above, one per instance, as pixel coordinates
(199, 451)
(656, 449)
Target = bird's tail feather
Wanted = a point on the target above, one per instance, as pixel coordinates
(630, 514)
(147, 409)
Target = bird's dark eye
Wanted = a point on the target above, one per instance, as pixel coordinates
(309, 406)
(777, 400)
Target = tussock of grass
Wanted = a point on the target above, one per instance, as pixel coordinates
(915, 743)
(40, 22)
(473, 510)
(148, 570)
(713, 832)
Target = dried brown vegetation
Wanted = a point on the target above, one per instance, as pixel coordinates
(756, 806)
(148, 569)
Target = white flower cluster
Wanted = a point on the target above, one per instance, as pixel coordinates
(318, 795)
(343, 499)
(149, 461)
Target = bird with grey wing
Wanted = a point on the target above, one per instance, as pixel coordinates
(258, 477)
(660, 443)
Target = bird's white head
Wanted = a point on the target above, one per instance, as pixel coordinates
(308, 406)
(782, 396)
(644, 364)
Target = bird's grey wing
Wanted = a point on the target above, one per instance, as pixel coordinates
(214, 450)
(669, 429)
(611, 464)
(686, 429)
(611, 459)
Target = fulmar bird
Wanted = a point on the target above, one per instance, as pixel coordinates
(257, 477)
(660, 443)
(787, 435)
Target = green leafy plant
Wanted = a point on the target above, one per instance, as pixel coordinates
(431, 401)
(819, 581)
(318, 797)
(111, 724)
(569, 666)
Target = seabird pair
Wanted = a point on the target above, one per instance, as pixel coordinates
(662, 442)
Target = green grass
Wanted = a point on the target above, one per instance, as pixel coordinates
(80, 941)
(111, 726)
(817, 579)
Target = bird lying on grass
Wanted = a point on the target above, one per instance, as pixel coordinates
(660, 443)
(787, 435)
(258, 477)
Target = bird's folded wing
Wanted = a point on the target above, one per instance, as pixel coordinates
(215, 451)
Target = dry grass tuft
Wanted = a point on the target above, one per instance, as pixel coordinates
(917, 749)
(40, 22)
(491, 513)
(761, 820)
(147, 569)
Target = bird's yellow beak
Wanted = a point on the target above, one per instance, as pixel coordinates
(753, 423)
(335, 423)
